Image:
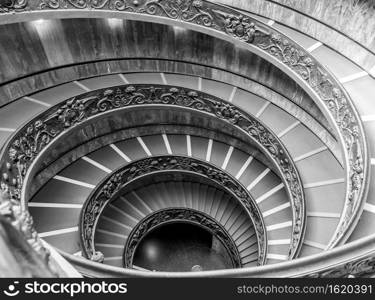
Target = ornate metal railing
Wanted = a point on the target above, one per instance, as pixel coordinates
(356, 259)
(23, 253)
(110, 187)
(225, 22)
(174, 215)
(26, 145)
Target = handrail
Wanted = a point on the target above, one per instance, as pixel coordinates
(355, 259)
(24, 254)
(18, 258)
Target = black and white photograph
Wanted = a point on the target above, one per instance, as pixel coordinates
(151, 145)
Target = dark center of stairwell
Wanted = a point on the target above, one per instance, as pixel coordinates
(181, 247)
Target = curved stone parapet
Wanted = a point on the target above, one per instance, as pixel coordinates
(356, 259)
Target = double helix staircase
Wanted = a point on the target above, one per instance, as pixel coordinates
(56, 205)
(320, 170)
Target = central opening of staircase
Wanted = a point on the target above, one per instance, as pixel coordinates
(181, 247)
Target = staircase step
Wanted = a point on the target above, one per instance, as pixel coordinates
(182, 80)
(101, 82)
(59, 93)
(50, 218)
(143, 77)
(57, 191)
(277, 119)
(83, 171)
(15, 114)
(337, 63)
(108, 158)
(178, 144)
(155, 144)
(249, 102)
(216, 88)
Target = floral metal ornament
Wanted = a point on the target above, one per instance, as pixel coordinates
(13, 5)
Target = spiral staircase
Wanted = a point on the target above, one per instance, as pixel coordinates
(250, 120)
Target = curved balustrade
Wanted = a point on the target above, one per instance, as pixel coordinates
(356, 259)
(18, 258)
(24, 254)
(265, 41)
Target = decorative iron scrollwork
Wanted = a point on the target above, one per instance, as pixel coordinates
(13, 5)
(25, 148)
(184, 10)
(23, 222)
(78, 109)
(357, 268)
(177, 215)
(79, 4)
(240, 26)
(106, 192)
